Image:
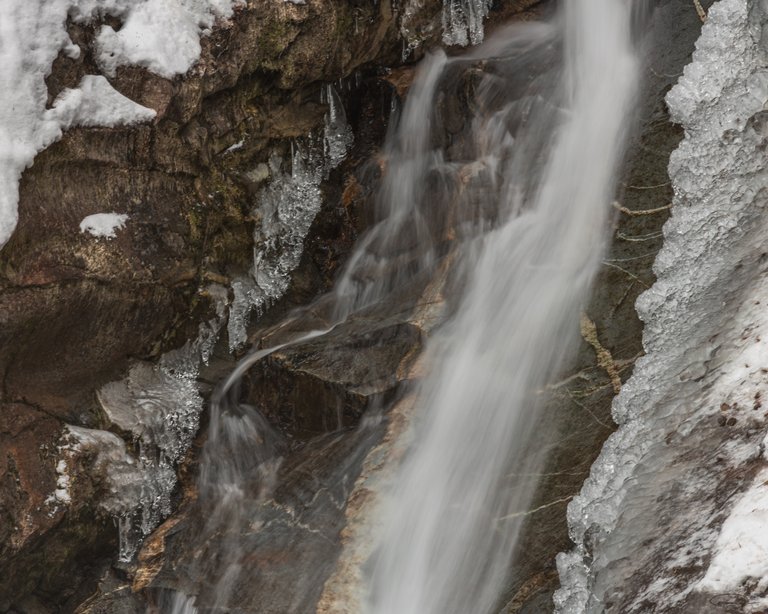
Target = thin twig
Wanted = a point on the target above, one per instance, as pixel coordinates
(589, 411)
(623, 270)
(639, 212)
(537, 509)
(633, 258)
(640, 239)
(648, 187)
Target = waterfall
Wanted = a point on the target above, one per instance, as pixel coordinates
(450, 522)
(516, 199)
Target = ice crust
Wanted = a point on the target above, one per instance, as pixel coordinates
(285, 210)
(664, 483)
(162, 35)
(463, 21)
(159, 405)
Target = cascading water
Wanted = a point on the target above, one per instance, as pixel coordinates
(517, 202)
(451, 521)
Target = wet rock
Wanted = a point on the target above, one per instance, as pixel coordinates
(26, 481)
(326, 385)
(291, 540)
(74, 308)
(48, 521)
(114, 596)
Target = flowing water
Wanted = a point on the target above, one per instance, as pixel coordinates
(450, 528)
(517, 198)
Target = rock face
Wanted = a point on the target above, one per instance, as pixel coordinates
(314, 387)
(75, 308)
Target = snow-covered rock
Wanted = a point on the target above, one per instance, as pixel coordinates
(103, 225)
(652, 523)
(161, 35)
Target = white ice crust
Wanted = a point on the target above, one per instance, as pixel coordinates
(162, 35)
(706, 344)
(285, 210)
(160, 405)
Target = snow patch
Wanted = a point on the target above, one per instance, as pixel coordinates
(162, 35)
(237, 146)
(61, 494)
(96, 103)
(741, 551)
(103, 225)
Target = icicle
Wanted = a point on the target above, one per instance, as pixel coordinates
(287, 207)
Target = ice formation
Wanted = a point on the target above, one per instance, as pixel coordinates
(661, 513)
(162, 35)
(285, 210)
(463, 21)
(160, 406)
(103, 225)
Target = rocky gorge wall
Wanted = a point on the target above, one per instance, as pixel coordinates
(78, 311)
(89, 324)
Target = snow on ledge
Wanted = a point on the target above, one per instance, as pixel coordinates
(103, 225)
(161, 35)
(96, 103)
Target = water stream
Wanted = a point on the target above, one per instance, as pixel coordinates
(451, 524)
(517, 199)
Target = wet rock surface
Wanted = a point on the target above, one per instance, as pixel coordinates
(325, 398)
(326, 385)
(188, 200)
(75, 308)
(580, 399)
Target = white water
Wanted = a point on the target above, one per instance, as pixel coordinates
(449, 528)
(522, 207)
